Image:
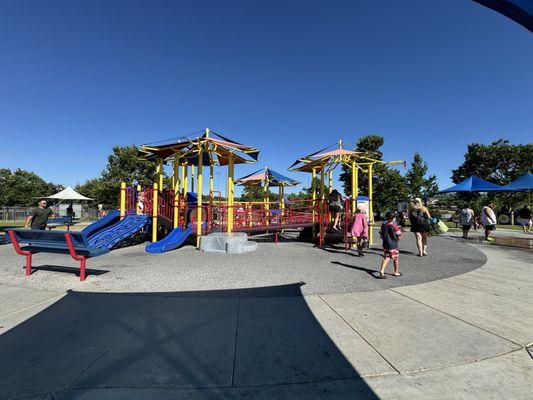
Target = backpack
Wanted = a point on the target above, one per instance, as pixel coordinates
(421, 217)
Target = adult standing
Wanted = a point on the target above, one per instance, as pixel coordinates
(467, 219)
(419, 217)
(488, 219)
(524, 218)
(38, 217)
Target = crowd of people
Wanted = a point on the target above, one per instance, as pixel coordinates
(420, 221)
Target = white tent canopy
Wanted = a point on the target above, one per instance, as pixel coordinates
(68, 194)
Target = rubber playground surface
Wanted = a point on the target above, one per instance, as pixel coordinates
(316, 271)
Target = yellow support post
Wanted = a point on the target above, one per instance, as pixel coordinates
(229, 190)
(193, 176)
(159, 171)
(266, 200)
(330, 181)
(175, 173)
(370, 206)
(154, 212)
(211, 179)
(199, 198)
(354, 187)
(184, 179)
(313, 191)
(282, 196)
(176, 187)
(122, 200)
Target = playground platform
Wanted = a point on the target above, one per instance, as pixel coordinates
(456, 325)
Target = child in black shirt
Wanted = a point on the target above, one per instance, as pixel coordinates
(390, 234)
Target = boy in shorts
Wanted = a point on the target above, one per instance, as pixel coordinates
(390, 233)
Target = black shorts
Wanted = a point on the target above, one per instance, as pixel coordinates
(335, 208)
(490, 227)
(466, 227)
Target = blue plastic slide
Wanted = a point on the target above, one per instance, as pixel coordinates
(172, 241)
(107, 238)
(111, 218)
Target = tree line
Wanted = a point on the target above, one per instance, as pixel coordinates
(499, 162)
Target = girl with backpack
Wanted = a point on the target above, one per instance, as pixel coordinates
(420, 218)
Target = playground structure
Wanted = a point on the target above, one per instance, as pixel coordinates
(182, 209)
(322, 163)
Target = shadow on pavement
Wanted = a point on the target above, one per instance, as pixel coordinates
(72, 270)
(252, 343)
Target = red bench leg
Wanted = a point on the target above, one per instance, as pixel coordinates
(72, 251)
(17, 248)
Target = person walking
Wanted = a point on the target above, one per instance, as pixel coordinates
(101, 212)
(466, 219)
(488, 219)
(391, 234)
(38, 217)
(360, 228)
(524, 218)
(419, 217)
(335, 201)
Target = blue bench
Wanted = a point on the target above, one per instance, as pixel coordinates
(34, 241)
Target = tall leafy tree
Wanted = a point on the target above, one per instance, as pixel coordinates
(500, 162)
(123, 165)
(388, 184)
(416, 181)
(23, 188)
(371, 145)
(252, 193)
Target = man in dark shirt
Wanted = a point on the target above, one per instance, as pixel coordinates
(524, 218)
(39, 216)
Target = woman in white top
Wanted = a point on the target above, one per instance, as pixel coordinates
(488, 219)
(467, 219)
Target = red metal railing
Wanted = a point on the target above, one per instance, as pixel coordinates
(131, 200)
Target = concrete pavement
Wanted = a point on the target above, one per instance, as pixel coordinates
(463, 337)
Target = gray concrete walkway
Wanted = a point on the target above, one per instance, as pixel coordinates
(463, 337)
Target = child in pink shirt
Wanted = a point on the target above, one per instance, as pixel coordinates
(360, 228)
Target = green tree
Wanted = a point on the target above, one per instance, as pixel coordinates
(499, 162)
(371, 146)
(252, 193)
(23, 188)
(123, 165)
(416, 181)
(388, 184)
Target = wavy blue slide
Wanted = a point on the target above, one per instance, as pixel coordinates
(172, 241)
(107, 238)
(111, 218)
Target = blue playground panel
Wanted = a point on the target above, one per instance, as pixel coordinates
(172, 241)
(110, 219)
(109, 237)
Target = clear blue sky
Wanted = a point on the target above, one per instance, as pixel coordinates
(289, 77)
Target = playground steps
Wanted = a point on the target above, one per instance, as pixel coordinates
(221, 242)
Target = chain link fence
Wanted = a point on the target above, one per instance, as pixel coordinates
(13, 214)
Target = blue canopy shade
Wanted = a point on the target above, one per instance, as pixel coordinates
(525, 182)
(473, 184)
